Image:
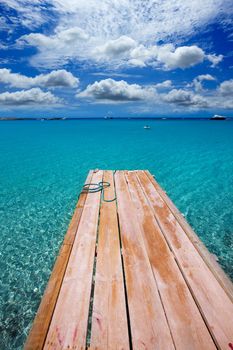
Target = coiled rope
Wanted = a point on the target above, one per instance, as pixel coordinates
(99, 187)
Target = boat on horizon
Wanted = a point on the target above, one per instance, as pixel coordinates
(218, 117)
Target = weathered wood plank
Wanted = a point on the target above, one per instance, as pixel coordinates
(69, 323)
(37, 335)
(201, 248)
(148, 323)
(186, 324)
(109, 320)
(176, 294)
(213, 302)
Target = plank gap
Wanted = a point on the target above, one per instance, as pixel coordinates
(151, 284)
(123, 272)
(156, 283)
(180, 267)
(68, 328)
(42, 321)
(148, 323)
(200, 247)
(198, 305)
(90, 312)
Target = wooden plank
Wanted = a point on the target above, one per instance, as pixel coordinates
(109, 321)
(149, 328)
(69, 323)
(213, 302)
(37, 335)
(186, 324)
(202, 250)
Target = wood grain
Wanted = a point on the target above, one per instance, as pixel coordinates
(186, 324)
(177, 296)
(206, 290)
(37, 335)
(109, 321)
(201, 248)
(148, 323)
(69, 323)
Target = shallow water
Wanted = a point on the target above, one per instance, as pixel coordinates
(44, 164)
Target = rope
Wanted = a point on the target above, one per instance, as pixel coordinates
(99, 187)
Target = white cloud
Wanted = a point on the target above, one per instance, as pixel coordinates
(3, 47)
(185, 98)
(112, 91)
(114, 48)
(119, 75)
(182, 57)
(115, 29)
(142, 56)
(30, 15)
(226, 88)
(57, 49)
(142, 20)
(57, 78)
(116, 91)
(197, 82)
(167, 84)
(215, 59)
(168, 56)
(202, 77)
(75, 44)
(60, 39)
(33, 96)
(3, 23)
(214, 99)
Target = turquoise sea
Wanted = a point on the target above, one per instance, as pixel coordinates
(44, 164)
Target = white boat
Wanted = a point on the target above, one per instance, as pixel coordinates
(218, 117)
(146, 127)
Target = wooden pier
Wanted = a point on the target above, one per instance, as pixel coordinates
(131, 274)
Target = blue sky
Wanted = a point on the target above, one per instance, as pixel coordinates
(121, 58)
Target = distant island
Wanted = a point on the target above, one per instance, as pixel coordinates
(215, 117)
(39, 118)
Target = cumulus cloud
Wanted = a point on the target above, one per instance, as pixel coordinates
(57, 49)
(185, 98)
(115, 48)
(142, 56)
(75, 44)
(167, 84)
(60, 39)
(182, 57)
(33, 96)
(169, 57)
(226, 88)
(112, 91)
(57, 78)
(115, 91)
